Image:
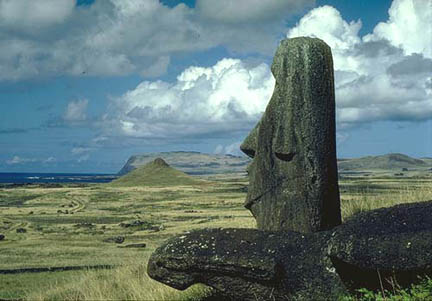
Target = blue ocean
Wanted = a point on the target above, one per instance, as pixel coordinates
(22, 178)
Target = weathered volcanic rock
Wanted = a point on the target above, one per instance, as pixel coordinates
(115, 239)
(393, 242)
(293, 176)
(137, 245)
(248, 264)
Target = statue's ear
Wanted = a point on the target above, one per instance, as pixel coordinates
(250, 143)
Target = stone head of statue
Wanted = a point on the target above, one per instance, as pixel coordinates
(293, 174)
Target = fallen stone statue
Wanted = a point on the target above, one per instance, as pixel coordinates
(300, 249)
(371, 250)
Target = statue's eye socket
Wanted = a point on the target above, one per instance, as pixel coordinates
(285, 157)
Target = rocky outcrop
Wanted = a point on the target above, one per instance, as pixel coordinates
(137, 245)
(293, 175)
(371, 250)
(115, 239)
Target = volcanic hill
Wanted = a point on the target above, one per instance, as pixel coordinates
(192, 163)
(156, 173)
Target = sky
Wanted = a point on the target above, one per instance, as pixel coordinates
(85, 84)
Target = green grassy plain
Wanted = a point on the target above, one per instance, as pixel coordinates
(77, 226)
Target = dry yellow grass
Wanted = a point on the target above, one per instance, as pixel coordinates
(368, 194)
(129, 282)
(175, 210)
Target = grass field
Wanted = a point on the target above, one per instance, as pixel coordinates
(83, 226)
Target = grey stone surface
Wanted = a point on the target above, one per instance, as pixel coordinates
(386, 243)
(137, 245)
(115, 239)
(293, 176)
(368, 251)
(248, 264)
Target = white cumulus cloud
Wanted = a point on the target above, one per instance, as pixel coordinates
(80, 150)
(408, 27)
(248, 11)
(383, 75)
(18, 160)
(375, 80)
(34, 15)
(50, 160)
(225, 98)
(230, 149)
(42, 38)
(76, 111)
(21, 160)
(83, 158)
(82, 154)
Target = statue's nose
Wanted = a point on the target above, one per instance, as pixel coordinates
(249, 145)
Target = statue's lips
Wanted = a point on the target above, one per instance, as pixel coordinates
(250, 200)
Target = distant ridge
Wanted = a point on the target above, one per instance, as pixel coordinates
(388, 162)
(156, 173)
(193, 163)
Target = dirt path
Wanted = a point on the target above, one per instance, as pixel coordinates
(78, 205)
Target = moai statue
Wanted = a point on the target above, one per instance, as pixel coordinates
(293, 175)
